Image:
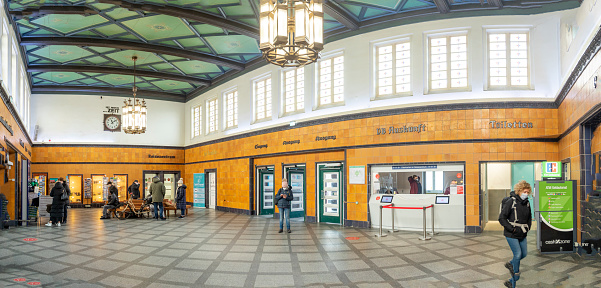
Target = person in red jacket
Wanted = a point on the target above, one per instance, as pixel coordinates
(413, 183)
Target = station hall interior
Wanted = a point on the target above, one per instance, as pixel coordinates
(402, 127)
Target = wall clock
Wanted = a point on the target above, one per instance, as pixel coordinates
(112, 122)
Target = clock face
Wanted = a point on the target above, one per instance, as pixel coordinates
(112, 122)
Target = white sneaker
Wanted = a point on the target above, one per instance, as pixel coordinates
(49, 224)
(58, 224)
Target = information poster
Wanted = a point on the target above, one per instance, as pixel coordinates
(556, 216)
(551, 170)
(199, 190)
(356, 175)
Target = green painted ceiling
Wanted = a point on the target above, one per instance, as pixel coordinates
(185, 44)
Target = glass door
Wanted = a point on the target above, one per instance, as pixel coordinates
(266, 191)
(212, 184)
(170, 189)
(148, 180)
(330, 195)
(296, 179)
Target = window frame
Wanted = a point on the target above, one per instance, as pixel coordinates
(207, 115)
(407, 38)
(317, 99)
(192, 122)
(447, 34)
(507, 31)
(224, 108)
(253, 105)
(283, 112)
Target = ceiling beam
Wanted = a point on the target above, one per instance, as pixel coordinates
(128, 45)
(345, 18)
(114, 70)
(189, 14)
(45, 10)
(107, 91)
(442, 6)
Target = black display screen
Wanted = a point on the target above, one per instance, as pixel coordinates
(386, 199)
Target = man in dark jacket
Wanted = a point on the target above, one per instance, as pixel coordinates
(419, 184)
(181, 197)
(113, 201)
(283, 199)
(516, 218)
(134, 190)
(157, 190)
(65, 203)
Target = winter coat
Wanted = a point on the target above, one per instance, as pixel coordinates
(413, 184)
(113, 199)
(507, 215)
(113, 189)
(66, 186)
(181, 197)
(419, 187)
(57, 209)
(157, 190)
(281, 201)
(134, 189)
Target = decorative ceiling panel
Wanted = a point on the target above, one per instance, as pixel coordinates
(182, 46)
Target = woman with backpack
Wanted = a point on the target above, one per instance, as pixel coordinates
(516, 218)
(57, 208)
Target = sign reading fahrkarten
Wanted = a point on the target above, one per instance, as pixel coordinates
(509, 124)
(403, 129)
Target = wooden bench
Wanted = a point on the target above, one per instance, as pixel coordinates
(168, 208)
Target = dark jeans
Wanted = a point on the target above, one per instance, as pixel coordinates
(105, 209)
(183, 212)
(157, 206)
(285, 212)
(520, 250)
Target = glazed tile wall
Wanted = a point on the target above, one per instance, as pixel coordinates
(56, 154)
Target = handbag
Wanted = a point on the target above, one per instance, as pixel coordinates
(65, 195)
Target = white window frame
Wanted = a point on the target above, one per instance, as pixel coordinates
(224, 108)
(254, 100)
(283, 112)
(208, 114)
(449, 33)
(374, 66)
(507, 31)
(317, 97)
(193, 122)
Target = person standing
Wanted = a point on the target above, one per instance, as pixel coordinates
(134, 190)
(516, 218)
(181, 197)
(283, 199)
(56, 209)
(419, 184)
(66, 202)
(113, 201)
(413, 184)
(157, 190)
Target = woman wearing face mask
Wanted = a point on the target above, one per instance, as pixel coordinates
(516, 218)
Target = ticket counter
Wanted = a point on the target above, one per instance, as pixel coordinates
(448, 214)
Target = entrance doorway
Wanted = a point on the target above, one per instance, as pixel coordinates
(211, 190)
(496, 182)
(330, 192)
(169, 178)
(266, 190)
(295, 173)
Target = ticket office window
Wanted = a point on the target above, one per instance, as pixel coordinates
(121, 184)
(431, 179)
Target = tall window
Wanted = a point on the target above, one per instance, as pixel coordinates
(448, 62)
(331, 80)
(212, 115)
(230, 100)
(294, 90)
(196, 117)
(508, 60)
(393, 68)
(262, 92)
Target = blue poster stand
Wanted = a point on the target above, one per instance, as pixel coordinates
(199, 190)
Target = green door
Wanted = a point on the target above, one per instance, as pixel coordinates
(330, 193)
(296, 179)
(523, 171)
(266, 191)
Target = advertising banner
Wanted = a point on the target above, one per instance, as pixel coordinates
(556, 216)
(551, 170)
(199, 190)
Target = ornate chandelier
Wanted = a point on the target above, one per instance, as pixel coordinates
(291, 31)
(134, 113)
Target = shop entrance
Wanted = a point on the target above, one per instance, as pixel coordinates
(295, 173)
(330, 192)
(211, 190)
(496, 182)
(265, 188)
(169, 178)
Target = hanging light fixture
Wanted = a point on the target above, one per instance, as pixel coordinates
(134, 113)
(291, 32)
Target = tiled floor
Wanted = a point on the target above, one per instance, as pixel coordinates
(211, 248)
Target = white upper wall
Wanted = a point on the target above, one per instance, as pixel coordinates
(78, 119)
(545, 74)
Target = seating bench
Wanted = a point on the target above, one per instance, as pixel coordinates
(169, 208)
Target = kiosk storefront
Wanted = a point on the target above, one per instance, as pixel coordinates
(432, 180)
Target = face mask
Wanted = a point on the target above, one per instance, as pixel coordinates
(524, 196)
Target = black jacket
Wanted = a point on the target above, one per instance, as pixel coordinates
(57, 209)
(113, 198)
(134, 189)
(281, 201)
(507, 215)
